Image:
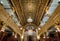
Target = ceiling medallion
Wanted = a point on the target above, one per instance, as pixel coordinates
(30, 7)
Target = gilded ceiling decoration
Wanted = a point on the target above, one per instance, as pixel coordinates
(34, 9)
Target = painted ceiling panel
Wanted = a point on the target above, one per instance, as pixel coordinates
(29, 7)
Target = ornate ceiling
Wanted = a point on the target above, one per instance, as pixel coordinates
(29, 11)
(34, 9)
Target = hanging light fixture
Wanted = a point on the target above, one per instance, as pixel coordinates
(29, 19)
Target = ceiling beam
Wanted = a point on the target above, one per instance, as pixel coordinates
(18, 10)
(51, 21)
(7, 19)
(41, 10)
